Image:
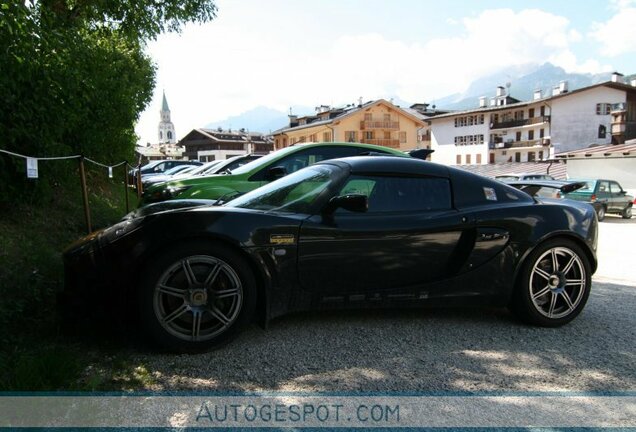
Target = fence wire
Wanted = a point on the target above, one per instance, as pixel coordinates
(83, 159)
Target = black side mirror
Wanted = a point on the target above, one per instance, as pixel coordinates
(274, 173)
(353, 202)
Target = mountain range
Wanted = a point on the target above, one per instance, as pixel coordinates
(521, 80)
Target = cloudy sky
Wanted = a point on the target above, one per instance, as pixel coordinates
(279, 53)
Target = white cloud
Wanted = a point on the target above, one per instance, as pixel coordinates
(617, 35)
(225, 68)
(622, 4)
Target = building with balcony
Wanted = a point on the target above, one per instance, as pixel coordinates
(504, 129)
(377, 122)
(213, 144)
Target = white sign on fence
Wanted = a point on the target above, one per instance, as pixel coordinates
(32, 168)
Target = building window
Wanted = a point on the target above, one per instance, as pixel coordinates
(326, 137)
(313, 138)
(368, 135)
(517, 157)
(169, 135)
(387, 135)
(504, 152)
(531, 113)
(530, 135)
(540, 154)
(458, 159)
(387, 117)
(541, 133)
(351, 136)
(368, 117)
(603, 108)
(602, 131)
(160, 135)
(530, 156)
(518, 115)
(542, 110)
(478, 161)
(402, 137)
(468, 161)
(518, 136)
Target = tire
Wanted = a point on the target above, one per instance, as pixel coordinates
(627, 212)
(549, 294)
(196, 297)
(600, 213)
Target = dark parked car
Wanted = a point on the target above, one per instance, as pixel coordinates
(607, 196)
(357, 232)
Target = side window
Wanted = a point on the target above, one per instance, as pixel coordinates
(401, 194)
(615, 188)
(160, 168)
(603, 188)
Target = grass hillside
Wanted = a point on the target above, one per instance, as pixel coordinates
(34, 230)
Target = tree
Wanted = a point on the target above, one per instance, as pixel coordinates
(75, 77)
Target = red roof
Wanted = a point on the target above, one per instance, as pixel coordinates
(601, 151)
(557, 169)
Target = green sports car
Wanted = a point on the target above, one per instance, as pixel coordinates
(259, 172)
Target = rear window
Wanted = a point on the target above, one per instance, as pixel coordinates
(473, 190)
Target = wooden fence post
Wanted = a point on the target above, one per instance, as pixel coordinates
(126, 186)
(139, 191)
(87, 212)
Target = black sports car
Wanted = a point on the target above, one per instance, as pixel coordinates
(357, 232)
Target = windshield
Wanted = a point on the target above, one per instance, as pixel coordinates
(295, 193)
(178, 168)
(263, 161)
(205, 167)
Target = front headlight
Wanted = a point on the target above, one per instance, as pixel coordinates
(111, 234)
(167, 193)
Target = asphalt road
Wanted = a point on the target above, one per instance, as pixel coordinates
(432, 350)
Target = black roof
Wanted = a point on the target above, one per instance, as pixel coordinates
(391, 164)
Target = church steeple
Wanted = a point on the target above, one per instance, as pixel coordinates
(166, 128)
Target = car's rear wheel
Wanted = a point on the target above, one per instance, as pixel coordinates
(600, 213)
(627, 212)
(554, 284)
(196, 297)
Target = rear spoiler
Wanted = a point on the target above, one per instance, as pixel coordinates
(531, 187)
(420, 153)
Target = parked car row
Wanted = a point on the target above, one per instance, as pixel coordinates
(219, 166)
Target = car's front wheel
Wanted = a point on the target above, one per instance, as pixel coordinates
(196, 297)
(554, 284)
(627, 212)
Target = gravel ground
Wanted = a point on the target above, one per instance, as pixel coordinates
(431, 350)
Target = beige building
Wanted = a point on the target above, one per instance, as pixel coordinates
(377, 122)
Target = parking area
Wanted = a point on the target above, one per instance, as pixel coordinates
(432, 350)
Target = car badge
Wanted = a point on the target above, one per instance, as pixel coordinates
(282, 239)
